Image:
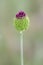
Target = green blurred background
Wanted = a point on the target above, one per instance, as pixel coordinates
(9, 37)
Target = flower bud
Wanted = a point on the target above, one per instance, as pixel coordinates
(21, 21)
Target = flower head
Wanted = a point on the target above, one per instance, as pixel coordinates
(21, 22)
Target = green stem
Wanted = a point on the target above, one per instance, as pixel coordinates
(21, 46)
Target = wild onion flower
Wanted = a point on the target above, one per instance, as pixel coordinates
(21, 21)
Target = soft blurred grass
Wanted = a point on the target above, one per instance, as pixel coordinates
(9, 57)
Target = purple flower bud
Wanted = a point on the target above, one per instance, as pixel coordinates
(20, 15)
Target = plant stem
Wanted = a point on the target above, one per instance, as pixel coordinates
(21, 46)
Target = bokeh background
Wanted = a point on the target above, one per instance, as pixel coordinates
(9, 36)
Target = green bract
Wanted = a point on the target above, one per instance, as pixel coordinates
(21, 24)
